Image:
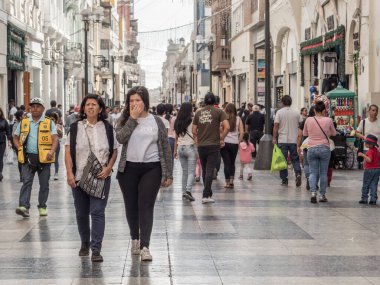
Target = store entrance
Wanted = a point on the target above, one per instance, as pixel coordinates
(12, 85)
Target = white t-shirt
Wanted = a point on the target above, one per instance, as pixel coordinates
(288, 120)
(99, 144)
(166, 122)
(142, 145)
(372, 128)
(330, 63)
(233, 137)
(12, 112)
(186, 139)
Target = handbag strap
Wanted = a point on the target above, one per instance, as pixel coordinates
(322, 130)
(88, 139)
(190, 135)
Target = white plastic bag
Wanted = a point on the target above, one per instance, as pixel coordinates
(10, 155)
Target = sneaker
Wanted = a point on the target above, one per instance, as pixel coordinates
(207, 200)
(135, 250)
(22, 211)
(298, 181)
(323, 198)
(284, 182)
(84, 249)
(313, 198)
(56, 176)
(188, 196)
(249, 177)
(145, 254)
(241, 177)
(43, 212)
(307, 184)
(372, 203)
(197, 179)
(96, 256)
(363, 202)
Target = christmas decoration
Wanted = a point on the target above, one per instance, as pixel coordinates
(333, 39)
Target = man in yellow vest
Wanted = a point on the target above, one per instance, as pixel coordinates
(36, 140)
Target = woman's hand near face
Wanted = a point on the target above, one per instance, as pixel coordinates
(136, 111)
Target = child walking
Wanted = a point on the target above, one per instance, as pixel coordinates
(371, 170)
(246, 149)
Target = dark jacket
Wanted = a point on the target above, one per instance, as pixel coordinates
(123, 134)
(5, 131)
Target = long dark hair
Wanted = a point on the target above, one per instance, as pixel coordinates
(232, 114)
(2, 114)
(102, 116)
(183, 119)
(143, 93)
(246, 138)
(168, 111)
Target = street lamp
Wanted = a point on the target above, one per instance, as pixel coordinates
(209, 43)
(89, 15)
(264, 157)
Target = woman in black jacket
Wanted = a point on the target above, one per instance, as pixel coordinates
(5, 133)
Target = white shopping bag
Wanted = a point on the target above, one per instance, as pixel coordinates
(10, 155)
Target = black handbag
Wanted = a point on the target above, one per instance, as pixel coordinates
(89, 182)
(361, 146)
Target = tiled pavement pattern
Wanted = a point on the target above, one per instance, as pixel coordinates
(258, 233)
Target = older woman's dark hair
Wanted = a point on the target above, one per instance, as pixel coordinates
(102, 114)
(210, 99)
(183, 119)
(311, 112)
(144, 95)
(286, 100)
(161, 109)
(320, 107)
(2, 114)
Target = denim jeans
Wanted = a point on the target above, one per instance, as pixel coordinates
(209, 156)
(229, 153)
(86, 206)
(171, 143)
(292, 149)
(27, 179)
(188, 157)
(318, 158)
(56, 163)
(370, 182)
(306, 166)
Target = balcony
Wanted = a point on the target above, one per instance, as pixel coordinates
(221, 59)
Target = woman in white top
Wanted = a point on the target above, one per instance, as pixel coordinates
(231, 144)
(91, 133)
(185, 148)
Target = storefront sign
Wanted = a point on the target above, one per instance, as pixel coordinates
(260, 75)
(16, 48)
(279, 89)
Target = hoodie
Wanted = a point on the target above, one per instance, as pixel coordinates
(246, 152)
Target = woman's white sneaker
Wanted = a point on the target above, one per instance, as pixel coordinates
(145, 254)
(135, 247)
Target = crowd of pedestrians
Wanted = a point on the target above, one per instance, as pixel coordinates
(152, 139)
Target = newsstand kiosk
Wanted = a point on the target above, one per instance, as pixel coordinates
(342, 109)
(342, 112)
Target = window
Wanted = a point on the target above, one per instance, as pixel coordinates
(254, 5)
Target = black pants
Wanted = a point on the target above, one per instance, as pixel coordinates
(229, 153)
(255, 137)
(3, 146)
(208, 156)
(86, 206)
(139, 184)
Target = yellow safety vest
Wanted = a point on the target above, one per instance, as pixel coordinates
(44, 144)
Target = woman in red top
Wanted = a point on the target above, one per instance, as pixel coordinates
(371, 170)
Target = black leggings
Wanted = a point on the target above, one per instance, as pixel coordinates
(229, 153)
(140, 183)
(3, 146)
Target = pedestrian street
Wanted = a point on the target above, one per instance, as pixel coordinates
(258, 233)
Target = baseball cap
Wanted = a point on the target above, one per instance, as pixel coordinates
(37, 101)
(371, 140)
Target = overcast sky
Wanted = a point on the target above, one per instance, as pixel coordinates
(155, 15)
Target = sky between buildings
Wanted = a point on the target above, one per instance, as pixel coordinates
(156, 15)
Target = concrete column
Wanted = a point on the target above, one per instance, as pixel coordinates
(36, 92)
(60, 86)
(53, 82)
(46, 73)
